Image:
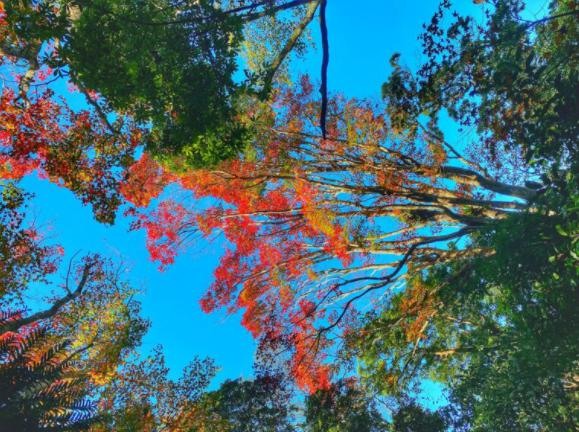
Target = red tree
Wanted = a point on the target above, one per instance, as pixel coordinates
(319, 229)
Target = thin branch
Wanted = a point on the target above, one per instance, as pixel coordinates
(99, 110)
(325, 61)
(390, 277)
(552, 17)
(453, 150)
(273, 10)
(245, 18)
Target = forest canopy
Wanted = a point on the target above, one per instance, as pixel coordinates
(367, 250)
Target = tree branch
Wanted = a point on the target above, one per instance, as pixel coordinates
(390, 277)
(273, 10)
(56, 306)
(325, 61)
(298, 31)
(478, 179)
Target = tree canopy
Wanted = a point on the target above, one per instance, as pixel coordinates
(171, 66)
(366, 248)
(322, 229)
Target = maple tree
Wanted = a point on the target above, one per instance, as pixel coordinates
(322, 228)
(315, 224)
(75, 150)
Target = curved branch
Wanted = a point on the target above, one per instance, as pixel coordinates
(56, 306)
(477, 179)
(390, 277)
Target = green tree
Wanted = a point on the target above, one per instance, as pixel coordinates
(493, 328)
(499, 329)
(524, 350)
(512, 79)
(262, 405)
(412, 417)
(344, 407)
(170, 65)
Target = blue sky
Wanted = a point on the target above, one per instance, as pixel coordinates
(363, 36)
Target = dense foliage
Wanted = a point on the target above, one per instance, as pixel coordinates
(171, 66)
(40, 387)
(364, 259)
(342, 408)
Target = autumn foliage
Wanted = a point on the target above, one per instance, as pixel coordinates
(351, 231)
(314, 225)
(75, 150)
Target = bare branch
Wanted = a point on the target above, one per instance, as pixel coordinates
(325, 61)
(56, 306)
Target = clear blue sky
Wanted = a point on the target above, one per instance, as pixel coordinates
(363, 35)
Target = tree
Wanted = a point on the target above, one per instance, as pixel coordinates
(177, 75)
(23, 258)
(413, 418)
(53, 357)
(41, 388)
(343, 408)
(466, 260)
(500, 327)
(76, 150)
(168, 65)
(260, 405)
(316, 224)
(527, 349)
(98, 319)
(512, 79)
(179, 100)
(497, 328)
(143, 397)
(321, 227)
